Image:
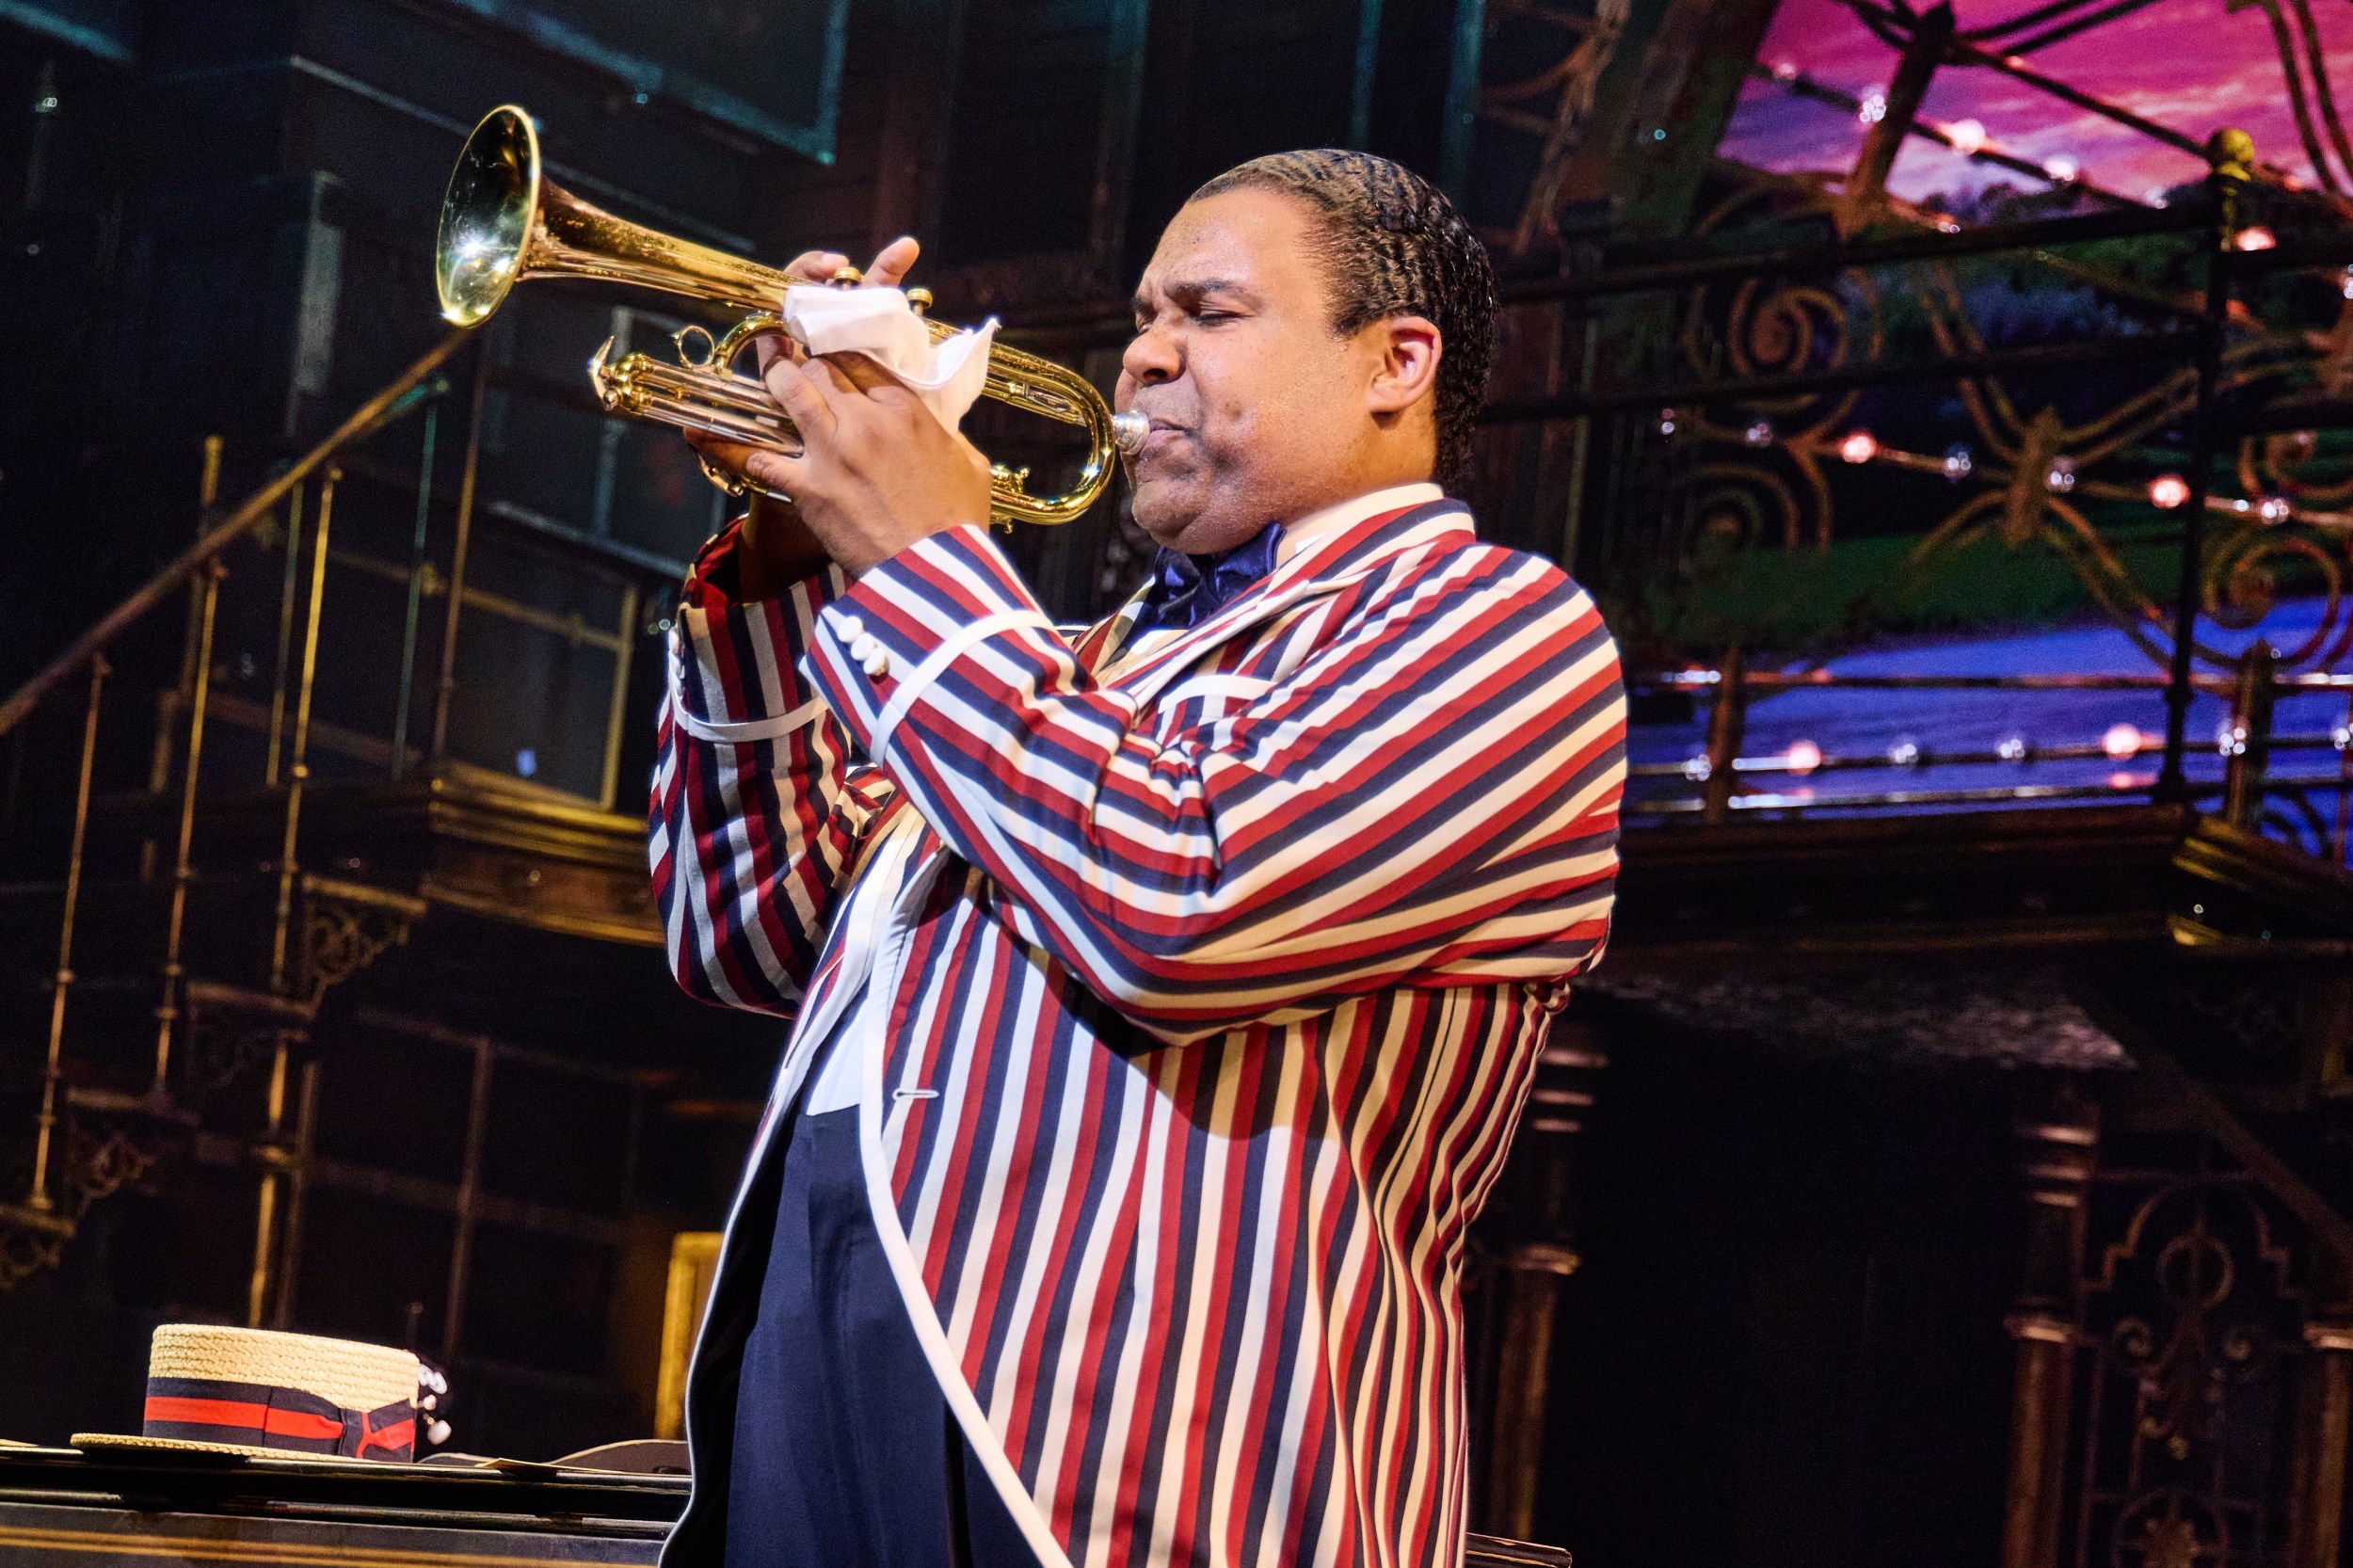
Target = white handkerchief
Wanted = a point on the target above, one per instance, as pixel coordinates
(947, 375)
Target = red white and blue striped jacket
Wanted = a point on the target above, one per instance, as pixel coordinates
(1217, 979)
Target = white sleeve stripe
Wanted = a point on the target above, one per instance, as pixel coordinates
(935, 663)
(749, 729)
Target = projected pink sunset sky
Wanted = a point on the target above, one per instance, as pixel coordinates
(2193, 65)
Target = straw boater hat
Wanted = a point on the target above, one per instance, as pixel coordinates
(254, 1391)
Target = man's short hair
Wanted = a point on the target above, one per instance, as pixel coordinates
(1393, 245)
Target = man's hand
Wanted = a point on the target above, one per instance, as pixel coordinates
(877, 471)
(777, 549)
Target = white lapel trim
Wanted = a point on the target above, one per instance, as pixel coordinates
(922, 1312)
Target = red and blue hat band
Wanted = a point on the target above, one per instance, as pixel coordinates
(266, 1416)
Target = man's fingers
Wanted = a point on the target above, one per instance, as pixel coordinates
(774, 471)
(721, 453)
(771, 347)
(806, 396)
(892, 263)
(855, 372)
(815, 267)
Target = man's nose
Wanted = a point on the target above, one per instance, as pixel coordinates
(1152, 359)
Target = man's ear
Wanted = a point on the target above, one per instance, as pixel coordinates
(1409, 349)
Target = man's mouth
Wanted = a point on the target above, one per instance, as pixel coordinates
(1161, 435)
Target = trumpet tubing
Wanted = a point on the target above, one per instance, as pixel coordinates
(503, 222)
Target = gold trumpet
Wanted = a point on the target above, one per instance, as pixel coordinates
(502, 221)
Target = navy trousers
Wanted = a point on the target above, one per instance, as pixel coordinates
(846, 1455)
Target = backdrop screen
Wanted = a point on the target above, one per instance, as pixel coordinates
(770, 67)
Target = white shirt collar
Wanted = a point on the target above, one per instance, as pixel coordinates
(1348, 513)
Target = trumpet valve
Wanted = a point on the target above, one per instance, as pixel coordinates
(1128, 431)
(603, 375)
(846, 277)
(918, 300)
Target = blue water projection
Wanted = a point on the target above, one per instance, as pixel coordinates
(1868, 724)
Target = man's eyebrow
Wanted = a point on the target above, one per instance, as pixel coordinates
(1188, 293)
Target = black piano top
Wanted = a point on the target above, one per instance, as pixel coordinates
(505, 1492)
(502, 1495)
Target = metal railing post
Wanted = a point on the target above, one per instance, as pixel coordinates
(1728, 723)
(171, 704)
(168, 704)
(458, 546)
(608, 782)
(289, 591)
(45, 1128)
(2246, 742)
(416, 594)
(298, 765)
(266, 1228)
(2231, 155)
(2338, 843)
(297, 1187)
(167, 1009)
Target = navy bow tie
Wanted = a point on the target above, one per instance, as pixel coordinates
(1186, 590)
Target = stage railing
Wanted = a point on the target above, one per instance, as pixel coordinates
(1724, 779)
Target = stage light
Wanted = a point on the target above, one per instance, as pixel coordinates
(1957, 463)
(1666, 421)
(2062, 170)
(1760, 433)
(2344, 284)
(1802, 757)
(2254, 238)
(1967, 135)
(1874, 106)
(2061, 477)
(2274, 508)
(1785, 71)
(2122, 741)
(1905, 753)
(1859, 447)
(2168, 491)
(2011, 748)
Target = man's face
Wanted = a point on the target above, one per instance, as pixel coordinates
(1257, 406)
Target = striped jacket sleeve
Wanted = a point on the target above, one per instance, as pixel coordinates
(1430, 797)
(756, 808)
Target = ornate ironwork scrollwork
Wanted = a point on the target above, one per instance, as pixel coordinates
(31, 1240)
(345, 927)
(2196, 1311)
(104, 1159)
(2034, 469)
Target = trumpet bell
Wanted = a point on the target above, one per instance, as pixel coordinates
(487, 217)
(503, 222)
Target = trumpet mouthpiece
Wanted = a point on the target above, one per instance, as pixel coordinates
(1128, 430)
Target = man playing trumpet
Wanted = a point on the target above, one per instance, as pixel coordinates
(1166, 993)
